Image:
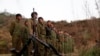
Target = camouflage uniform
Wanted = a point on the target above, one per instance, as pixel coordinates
(60, 43)
(51, 38)
(15, 31)
(25, 35)
(32, 30)
(42, 36)
(32, 26)
(41, 31)
(68, 44)
(65, 44)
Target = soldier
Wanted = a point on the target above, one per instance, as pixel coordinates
(51, 32)
(65, 43)
(32, 27)
(32, 23)
(48, 40)
(41, 35)
(25, 35)
(51, 35)
(60, 43)
(41, 29)
(68, 43)
(15, 31)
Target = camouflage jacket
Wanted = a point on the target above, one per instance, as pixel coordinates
(32, 26)
(16, 28)
(41, 29)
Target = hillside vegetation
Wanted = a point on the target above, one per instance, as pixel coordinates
(86, 33)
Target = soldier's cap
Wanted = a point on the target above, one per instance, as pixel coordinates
(18, 15)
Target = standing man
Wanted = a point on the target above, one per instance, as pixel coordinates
(41, 35)
(32, 23)
(50, 33)
(32, 27)
(41, 29)
(68, 43)
(15, 31)
(51, 36)
(60, 41)
(25, 35)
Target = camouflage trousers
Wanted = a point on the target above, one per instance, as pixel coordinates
(33, 46)
(16, 43)
(53, 43)
(41, 48)
(24, 41)
(60, 47)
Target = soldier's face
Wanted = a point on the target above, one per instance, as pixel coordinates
(35, 16)
(19, 17)
(49, 23)
(41, 20)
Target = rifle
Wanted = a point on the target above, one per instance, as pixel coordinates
(35, 39)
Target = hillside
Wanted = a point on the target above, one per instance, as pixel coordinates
(85, 33)
(89, 29)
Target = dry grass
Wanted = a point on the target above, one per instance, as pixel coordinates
(83, 32)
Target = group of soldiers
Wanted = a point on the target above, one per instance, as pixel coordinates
(45, 31)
